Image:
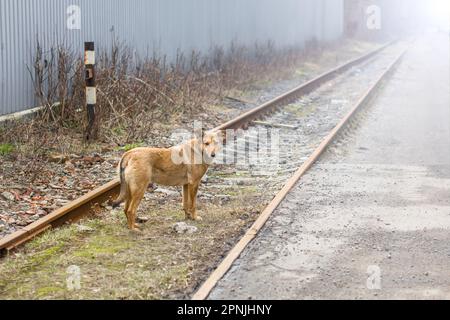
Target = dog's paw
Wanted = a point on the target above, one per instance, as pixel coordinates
(198, 218)
(136, 230)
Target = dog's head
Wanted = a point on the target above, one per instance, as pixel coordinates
(210, 143)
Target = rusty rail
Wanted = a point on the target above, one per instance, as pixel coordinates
(86, 204)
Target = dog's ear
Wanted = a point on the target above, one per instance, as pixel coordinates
(223, 136)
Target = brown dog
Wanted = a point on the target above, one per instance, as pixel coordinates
(183, 165)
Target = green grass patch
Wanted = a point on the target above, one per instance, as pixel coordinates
(45, 292)
(6, 149)
(101, 245)
(130, 146)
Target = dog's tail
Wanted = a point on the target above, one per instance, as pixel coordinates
(123, 185)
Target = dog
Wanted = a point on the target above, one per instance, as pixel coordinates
(183, 165)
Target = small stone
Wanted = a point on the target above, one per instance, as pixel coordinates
(8, 196)
(41, 213)
(83, 228)
(86, 182)
(224, 198)
(142, 219)
(183, 227)
(11, 221)
(23, 223)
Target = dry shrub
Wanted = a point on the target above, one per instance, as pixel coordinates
(134, 92)
(31, 140)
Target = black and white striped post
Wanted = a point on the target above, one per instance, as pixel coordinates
(91, 92)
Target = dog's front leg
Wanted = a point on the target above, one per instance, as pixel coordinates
(186, 201)
(193, 190)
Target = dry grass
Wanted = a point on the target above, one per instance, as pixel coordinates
(116, 263)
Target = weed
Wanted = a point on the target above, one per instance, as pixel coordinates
(131, 146)
(6, 149)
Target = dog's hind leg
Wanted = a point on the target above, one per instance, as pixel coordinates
(132, 210)
(137, 187)
(127, 212)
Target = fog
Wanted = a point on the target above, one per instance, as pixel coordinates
(437, 14)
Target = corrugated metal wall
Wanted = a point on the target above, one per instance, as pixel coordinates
(148, 25)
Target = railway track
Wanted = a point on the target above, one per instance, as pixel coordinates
(90, 202)
(301, 167)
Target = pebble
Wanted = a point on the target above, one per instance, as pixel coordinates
(223, 198)
(142, 219)
(82, 228)
(8, 196)
(183, 227)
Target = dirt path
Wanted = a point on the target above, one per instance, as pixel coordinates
(372, 219)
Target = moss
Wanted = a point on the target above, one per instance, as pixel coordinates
(6, 149)
(132, 146)
(51, 238)
(44, 256)
(101, 245)
(46, 292)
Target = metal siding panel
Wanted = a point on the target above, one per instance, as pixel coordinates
(152, 25)
(2, 74)
(9, 47)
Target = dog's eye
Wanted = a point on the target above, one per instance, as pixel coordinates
(207, 144)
